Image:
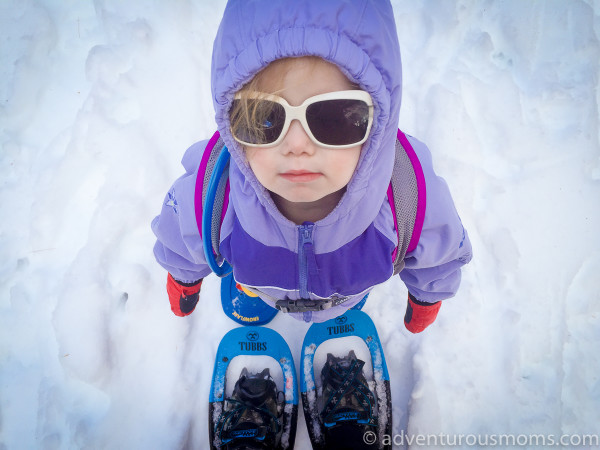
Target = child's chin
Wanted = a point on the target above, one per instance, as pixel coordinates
(309, 197)
(303, 199)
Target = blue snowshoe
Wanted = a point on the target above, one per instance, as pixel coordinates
(349, 405)
(258, 414)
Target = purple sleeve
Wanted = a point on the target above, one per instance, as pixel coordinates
(179, 247)
(432, 270)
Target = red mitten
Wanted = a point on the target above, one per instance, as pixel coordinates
(419, 315)
(183, 296)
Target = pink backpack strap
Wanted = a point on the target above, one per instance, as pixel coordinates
(207, 164)
(407, 198)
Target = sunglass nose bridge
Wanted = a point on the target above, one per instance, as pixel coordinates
(298, 134)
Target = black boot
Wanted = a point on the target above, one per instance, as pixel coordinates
(348, 409)
(251, 419)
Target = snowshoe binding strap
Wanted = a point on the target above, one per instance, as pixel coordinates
(251, 422)
(350, 399)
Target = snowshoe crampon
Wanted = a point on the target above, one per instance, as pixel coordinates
(257, 413)
(346, 398)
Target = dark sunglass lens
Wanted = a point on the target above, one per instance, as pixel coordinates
(260, 124)
(338, 122)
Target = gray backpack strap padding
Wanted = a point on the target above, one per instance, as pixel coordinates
(221, 197)
(406, 197)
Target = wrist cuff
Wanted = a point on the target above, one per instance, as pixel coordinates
(419, 302)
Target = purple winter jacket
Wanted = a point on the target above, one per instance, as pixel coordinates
(350, 251)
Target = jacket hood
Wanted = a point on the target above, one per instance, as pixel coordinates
(360, 38)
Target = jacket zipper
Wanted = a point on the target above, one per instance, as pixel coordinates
(305, 250)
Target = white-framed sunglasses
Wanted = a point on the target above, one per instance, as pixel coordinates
(339, 119)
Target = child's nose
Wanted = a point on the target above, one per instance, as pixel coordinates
(296, 141)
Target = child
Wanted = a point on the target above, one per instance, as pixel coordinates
(309, 227)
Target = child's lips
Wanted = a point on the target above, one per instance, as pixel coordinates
(300, 176)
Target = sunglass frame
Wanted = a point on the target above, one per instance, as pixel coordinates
(299, 113)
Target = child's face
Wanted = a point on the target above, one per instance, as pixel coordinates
(298, 169)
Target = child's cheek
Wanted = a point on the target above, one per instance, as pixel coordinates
(247, 155)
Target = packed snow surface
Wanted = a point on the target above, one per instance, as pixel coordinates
(98, 102)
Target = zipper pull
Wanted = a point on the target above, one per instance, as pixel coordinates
(306, 229)
(308, 253)
(304, 247)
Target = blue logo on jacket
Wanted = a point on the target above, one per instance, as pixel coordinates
(172, 201)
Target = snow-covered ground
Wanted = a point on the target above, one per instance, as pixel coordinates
(99, 100)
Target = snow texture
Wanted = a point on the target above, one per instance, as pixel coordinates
(99, 100)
